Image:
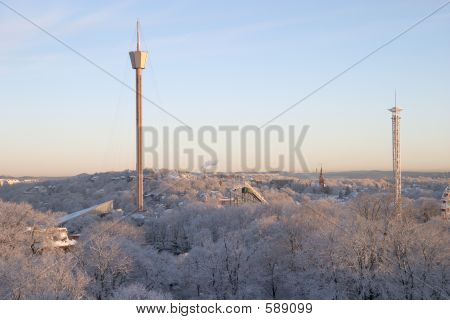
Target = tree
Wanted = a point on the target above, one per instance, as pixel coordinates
(101, 253)
(137, 291)
(53, 274)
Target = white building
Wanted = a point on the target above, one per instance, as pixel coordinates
(8, 181)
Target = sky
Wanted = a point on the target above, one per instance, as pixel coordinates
(223, 63)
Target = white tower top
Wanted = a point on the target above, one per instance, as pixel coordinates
(138, 57)
(395, 109)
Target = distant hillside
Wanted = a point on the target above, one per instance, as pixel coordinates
(169, 189)
(361, 174)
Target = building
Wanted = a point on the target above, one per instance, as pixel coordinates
(8, 182)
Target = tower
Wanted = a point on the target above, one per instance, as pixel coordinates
(138, 60)
(321, 178)
(396, 165)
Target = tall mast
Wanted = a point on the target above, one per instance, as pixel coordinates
(138, 61)
(396, 160)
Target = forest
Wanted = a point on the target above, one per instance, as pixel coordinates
(345, 242)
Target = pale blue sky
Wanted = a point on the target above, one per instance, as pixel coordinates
(223, 63)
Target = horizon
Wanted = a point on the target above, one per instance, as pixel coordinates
(325, 172)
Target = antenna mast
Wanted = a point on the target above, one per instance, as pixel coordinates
(138, 47)
(138, 61)
(396, 165)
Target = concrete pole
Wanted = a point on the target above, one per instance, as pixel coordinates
(139, 142)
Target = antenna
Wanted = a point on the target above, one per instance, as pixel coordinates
(395, 98)
(138, 36)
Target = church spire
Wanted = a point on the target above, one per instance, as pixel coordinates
(321, 178)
